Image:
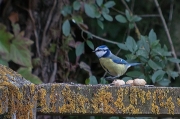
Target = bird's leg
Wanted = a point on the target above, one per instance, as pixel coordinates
(111, 78)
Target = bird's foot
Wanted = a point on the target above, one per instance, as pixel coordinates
(111, 78)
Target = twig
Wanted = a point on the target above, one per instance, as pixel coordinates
(167, 32)
(132, 5)
(149, 15)
(171, 13)
(52, 78)
(103, 39)
(44, 42)
(35, 32)
(136, 28)
(118, 11)
(34, 27)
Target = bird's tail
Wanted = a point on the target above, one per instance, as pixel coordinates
(133, 64)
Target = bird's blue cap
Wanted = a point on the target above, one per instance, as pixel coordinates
(103, 46)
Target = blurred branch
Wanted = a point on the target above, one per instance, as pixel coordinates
(118, 11)
(167, 32)
(171, 13)
(44, 41)
(53, 75)
(136, 28)
(149, 15)
(103, 39)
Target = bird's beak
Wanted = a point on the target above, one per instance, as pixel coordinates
(93, 51)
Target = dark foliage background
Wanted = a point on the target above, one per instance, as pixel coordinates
(52, 40)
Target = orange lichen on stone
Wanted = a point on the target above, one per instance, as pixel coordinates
(42, 100)
(101, 101)
(170, 105)
(68, 101)
(141, 95)
(53, 98)
(119, 101)
(3, 99)
(132, 110)
(82, 104)
(148, 95)
(154, 107)
(17, 94)
(178, 101)
(133, 95)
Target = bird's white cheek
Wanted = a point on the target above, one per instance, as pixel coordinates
(100, 53)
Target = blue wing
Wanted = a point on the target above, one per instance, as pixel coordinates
(117, 60)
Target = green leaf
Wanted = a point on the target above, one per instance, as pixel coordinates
(26, 73)
(107, 16)
(130, 56)
(103, 81)
(76, 5)
(128, 16)
(136, 18)
(89, 10)
(126, 78)
(121, 18)
(143, 53)
(52, 47)
(114, 117)
(36, 62)
(100, 24)
(153, 65)
(5, 38)
(152, 36)
(173, 74)
(87, 81)
(90, 44)
(4, 62)
(93, 80)
(19, 51)
(97, 14)
(174, 60)
(131, 44)
(161, 52)
(144, 44)
(66, 28)
(16, 29)
(164, 82)
(122, 46)
(131, 25)
(105, 10)
(99, 2)
(134, 74)
(66, 10)
(77, 18)
(109, 4)
(158, 76)
(80, 49)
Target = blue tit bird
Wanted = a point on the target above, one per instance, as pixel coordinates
(114, 65)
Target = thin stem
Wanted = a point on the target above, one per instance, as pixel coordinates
(167, 32)
(136, 28)
(97, 37)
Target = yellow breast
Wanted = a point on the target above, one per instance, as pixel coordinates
(112, 68)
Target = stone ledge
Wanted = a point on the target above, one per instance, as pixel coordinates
(107, 100)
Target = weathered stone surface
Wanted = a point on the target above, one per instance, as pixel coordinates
(3, 100)
(108, 100)
(22, 97)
